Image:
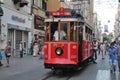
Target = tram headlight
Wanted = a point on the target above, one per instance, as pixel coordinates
(59, 51)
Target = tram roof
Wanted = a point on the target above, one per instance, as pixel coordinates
(60, 19)
(67, 19)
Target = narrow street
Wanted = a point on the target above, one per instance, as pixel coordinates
(67, 32)
(31, 68)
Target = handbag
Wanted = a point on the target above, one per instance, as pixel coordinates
(8, 54)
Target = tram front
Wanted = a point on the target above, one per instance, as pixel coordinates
(60, 43)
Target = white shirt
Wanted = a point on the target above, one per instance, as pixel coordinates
(36, 46)
(20, 47)
(95, 45)
(102, 47)
(62, 34)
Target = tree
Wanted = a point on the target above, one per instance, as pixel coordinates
(107, 37)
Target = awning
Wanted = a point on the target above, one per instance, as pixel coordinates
(16, 27)
(1, 11)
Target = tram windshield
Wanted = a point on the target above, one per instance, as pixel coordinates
(61, 32)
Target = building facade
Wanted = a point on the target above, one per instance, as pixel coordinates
(54, 5)
(38, 14)
(117, 23)
(85, 8)
(16, 24)
(97, 28)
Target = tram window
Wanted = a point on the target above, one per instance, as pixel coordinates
(71, 31)
(46, 28)
(63, 31)
(86, 34)
(80, 34)
(91, 35)
(54, 27)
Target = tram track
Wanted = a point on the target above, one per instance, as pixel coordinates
(69, 77)
(61, 75)
(47, 77)
(65, 75)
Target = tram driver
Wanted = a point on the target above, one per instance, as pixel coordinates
(62, 35)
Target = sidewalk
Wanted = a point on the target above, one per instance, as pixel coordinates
(26, 60)
(104, 70)
(19, 65)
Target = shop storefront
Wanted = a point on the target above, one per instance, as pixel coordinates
(38, 27)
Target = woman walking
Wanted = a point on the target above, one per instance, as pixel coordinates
(8, 52)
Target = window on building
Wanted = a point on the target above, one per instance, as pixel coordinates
(36, 2)
(40, 4)
(44, 5)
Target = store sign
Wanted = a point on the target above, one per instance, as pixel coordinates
(38, 22)
(18, 19)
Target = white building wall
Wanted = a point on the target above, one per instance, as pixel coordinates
(10, 11)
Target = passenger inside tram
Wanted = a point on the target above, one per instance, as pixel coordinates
(62, 35)
(63, 31)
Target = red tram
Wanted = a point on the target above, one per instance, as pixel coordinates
(68, 40)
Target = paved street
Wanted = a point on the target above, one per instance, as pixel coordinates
(31, 68)
(27, 68)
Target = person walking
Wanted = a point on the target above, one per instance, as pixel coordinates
(112, 57)
(118, 53)
(21, 49)
(35, 49)
(95, 44)
(8, 52)
(31, 48)
(0, 59)
(94, 55)
(103, 49)
(99, 50)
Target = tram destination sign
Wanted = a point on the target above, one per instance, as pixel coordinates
(60, 12)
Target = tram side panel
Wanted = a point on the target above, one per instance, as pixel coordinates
(87, 50)
(84, 49)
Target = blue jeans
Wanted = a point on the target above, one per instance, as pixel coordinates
(112, 65)
(119, 62)
(95, 54)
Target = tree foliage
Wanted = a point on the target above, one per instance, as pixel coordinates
(107, 37)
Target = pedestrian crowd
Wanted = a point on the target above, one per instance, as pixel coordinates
(36, 49)
(112, 50)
